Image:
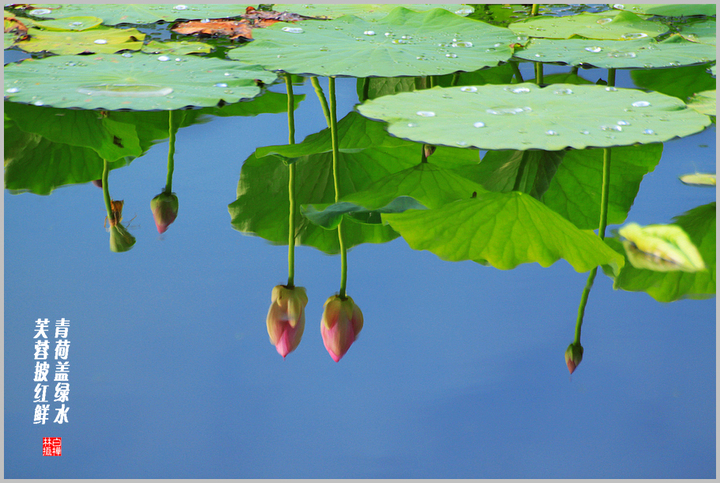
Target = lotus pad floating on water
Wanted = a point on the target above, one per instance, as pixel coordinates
(403, 43)
(606, 25)
(113, 14)
(100, 40)
(619, 54)
(366, 11)
(137, 81)
(525, 116)
(676, 10)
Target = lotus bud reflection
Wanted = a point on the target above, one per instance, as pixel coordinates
(286, 318)
(120, 239)
(165, 209)
(573, 356)
(341, 323)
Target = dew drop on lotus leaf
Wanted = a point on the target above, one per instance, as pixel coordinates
(292, 30)
(101, 41)
(551, 133)
(369, 32)
(180, 7)
(640, 104)
(479, 124)
(452, 56)
(648, 131)
(163, 58)
(221, 84)
(634, 36)
(563, 91)
(461, 44)
(127, 55)
(469, 89)
(426, 114)
(623, 123)
(604, 20)
(594, 49)
(611, 89)
(611, 128)
(40, 11)
(13, 90)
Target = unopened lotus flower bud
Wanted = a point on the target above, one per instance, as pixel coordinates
(573, 356)
(286, 318)
(165, 209)
(120, 239)
(341, 323)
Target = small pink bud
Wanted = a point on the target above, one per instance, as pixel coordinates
(573, 356)
(286, 318)
(165, 209)
(341, 323)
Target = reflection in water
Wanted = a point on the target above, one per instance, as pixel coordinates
(165, 205)
(120, 239)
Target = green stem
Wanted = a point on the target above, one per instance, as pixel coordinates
(535, 9)
(538, 73)
(171, 153)
(455, 79)
(575, 70)
(365, 89)
(106, 189)
(611, 77)
(291, 184)
(323, 101)
(516, 69)
(336, 182)
(601, 233)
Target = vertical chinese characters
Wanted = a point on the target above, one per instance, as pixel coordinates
(42, 370)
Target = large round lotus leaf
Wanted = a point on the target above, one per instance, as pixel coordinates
(138, 82)
(182, 47)
(100, 40)
(366, 11)
(681, 82)
(69, 23)
(618, 54)
(702, 32)
(403, 43)
(525, 116)
(668, 10)
(610, 25)
(113, 14)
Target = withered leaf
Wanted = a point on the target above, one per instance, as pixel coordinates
(234, 29)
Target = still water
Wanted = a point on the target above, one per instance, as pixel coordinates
(458, 372)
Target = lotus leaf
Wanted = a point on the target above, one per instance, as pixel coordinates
(673, 10)
(504, 229)
(618, 54)
(402, 43)
(421, 186)
(113, 14)
(682, 82)
(139, 81)
(700, 225)
(702, 31)
(100, 40)
(699, 179)
(69, 23)
(662, 248)
(183, 47)
(525, 116)
(704, 102)
(609, 25)
(365, 11)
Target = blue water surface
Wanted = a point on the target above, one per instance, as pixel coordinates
(459, 371)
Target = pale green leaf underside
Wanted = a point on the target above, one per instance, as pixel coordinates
(113, 14)
(139, 82)
(415, 44)
(673, 10)
(504, 229)
(364, 11)
(525, 116)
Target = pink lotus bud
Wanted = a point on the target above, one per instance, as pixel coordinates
(341, 323)
(573, 356)
(165, 209)
(286, 318)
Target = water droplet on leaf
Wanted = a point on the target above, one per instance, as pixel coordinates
(163, 58)
(292, 30)
(469, 89)
(479, 124)
(593, 49)
(426, 113)
(640, 104)
(101, 41)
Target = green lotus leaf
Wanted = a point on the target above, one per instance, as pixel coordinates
(421, 186)
(139, 81)
(372, 87)
(609, 25)
(99, 40)
(575, 190)
(364, 11)
(182, 48)
(704, 102)
(9, 40)
(618, 54)
(525, 116)
(661, 248)
(268, 103)
(113, 14)
(504, 229)
(699, 179)
(700, 226)
(668, 10)
(69, 23)
(430, 43)
(702, 31)
(526, 171)
(682, 82)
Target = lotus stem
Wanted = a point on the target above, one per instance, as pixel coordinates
(539, 73)
(611, 77)
(336, 182)
(535, 9)
(601, 233)
(455, 79)
(365, 89)
(321, 96)
(171, 153)
(291, 183)
(106, 190)
(575, 70)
